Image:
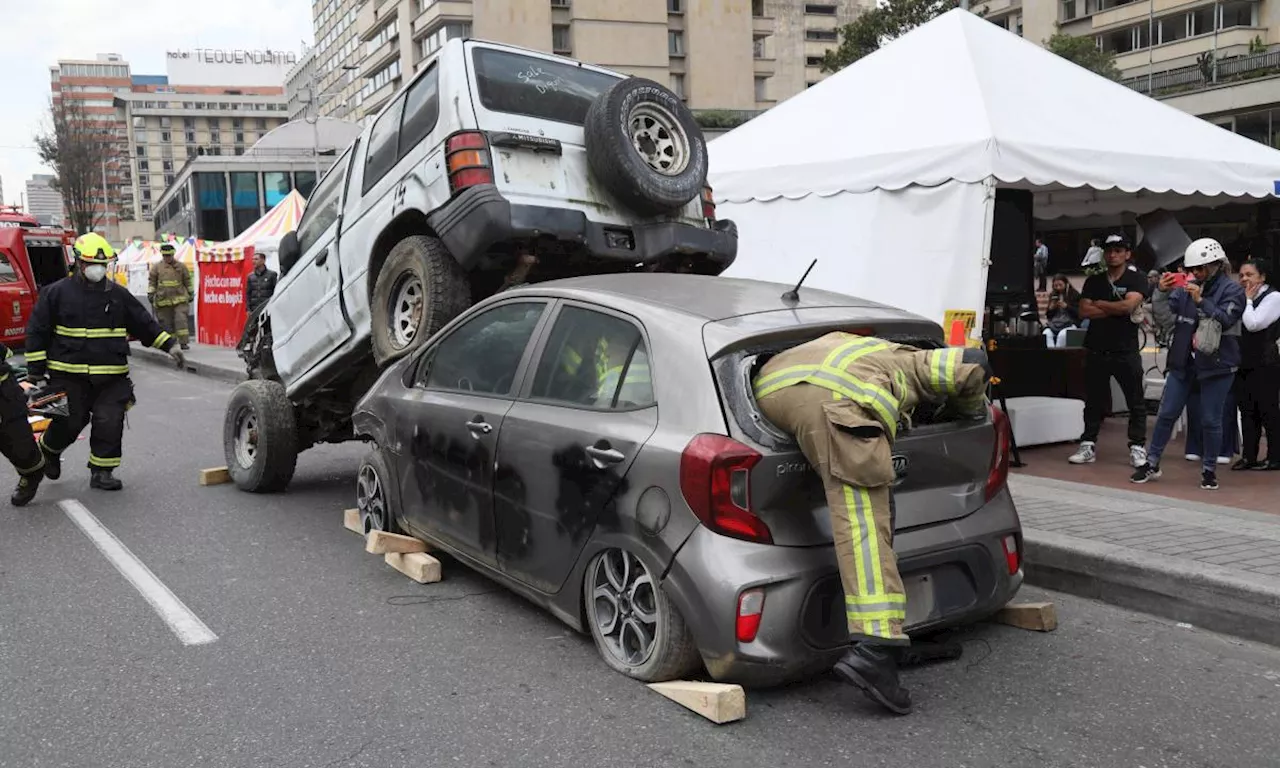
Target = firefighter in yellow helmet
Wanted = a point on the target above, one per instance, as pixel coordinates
(170, 290)
(843, 396)
(78, 337)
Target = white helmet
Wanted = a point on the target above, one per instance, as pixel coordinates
(1206, 250)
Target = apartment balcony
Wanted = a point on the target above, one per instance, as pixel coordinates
(371, 20)
(1230, 70)
(378, 99)
(763, 25)
(380, 57)
(765, 67)
(1231, 43)
(438, 12)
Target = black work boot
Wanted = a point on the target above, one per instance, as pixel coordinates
(874, 669)
(52, 463)
(26, 489)
(103, 480)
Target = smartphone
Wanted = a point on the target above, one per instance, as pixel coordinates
(1180, 279)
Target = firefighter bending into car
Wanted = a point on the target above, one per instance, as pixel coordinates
(842, 397)
(78, 336)
(170, 291)
(17, 441)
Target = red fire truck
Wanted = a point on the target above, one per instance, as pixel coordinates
(31, 257)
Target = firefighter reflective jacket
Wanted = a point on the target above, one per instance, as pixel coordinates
(170, 284)
(78, 327)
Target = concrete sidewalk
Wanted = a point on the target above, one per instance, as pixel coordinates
(1215, 567)
(214, 362)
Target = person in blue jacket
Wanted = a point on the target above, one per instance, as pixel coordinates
(1211, 301)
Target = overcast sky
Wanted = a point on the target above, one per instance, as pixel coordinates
(39, 32)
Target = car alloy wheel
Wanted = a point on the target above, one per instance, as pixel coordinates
(371, 501)
(624, 606)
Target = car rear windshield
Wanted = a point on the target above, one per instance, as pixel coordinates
(526, 85)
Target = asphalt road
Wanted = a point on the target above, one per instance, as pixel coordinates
(326, 657)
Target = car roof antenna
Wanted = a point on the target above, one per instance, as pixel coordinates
(793, 296)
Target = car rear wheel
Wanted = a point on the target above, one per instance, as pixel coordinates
(644, 146)
(420, 288)
(636, 628)
(260, 437)
(373, 495)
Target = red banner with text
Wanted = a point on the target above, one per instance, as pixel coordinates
(221, 313)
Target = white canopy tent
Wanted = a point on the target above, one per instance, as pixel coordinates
(887, 171)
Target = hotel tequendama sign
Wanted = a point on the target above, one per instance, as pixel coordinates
(229, 66)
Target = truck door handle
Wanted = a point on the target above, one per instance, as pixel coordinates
(478, 426)
(603, 454)
(322, 257)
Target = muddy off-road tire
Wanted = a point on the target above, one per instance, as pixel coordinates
(644, 146)
(260, 437)
(419, 289)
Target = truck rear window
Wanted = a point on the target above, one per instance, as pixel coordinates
(526, 85)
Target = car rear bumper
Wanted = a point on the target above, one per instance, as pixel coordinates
(958, 568)
(480, 217)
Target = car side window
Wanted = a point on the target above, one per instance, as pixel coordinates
(382, 154)
(594, 360)
(421, 110)
(7, 273)
(482, 354)
(322, 206)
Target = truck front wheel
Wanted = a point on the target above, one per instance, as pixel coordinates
(419, 289)
(260, 437)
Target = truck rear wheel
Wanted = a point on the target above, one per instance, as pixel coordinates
(260, 437)
(419, 290)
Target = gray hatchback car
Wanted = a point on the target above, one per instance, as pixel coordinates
(661, 512)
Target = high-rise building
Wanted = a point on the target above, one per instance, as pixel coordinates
(1211, 58)
(297, 85)
(43, 201)
(337, 55)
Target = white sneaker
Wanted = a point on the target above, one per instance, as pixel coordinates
(1192, 457)
(1224, 459)
(1137, 456)
(1084, 455)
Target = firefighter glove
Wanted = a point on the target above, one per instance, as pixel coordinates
(178, 358)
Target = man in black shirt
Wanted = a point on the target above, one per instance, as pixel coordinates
(1109, 301)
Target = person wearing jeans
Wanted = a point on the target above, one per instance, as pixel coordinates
(1189, 311)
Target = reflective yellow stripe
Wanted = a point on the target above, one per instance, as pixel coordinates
(63, 330)
(887, 615)
(91, 333)
(841, 382)
(91, 370)
(8, 353)
(36, 356)
(104, 463)
(4, 377)
(169, 283)
(44, 447)
(161, 339)
(890, 599)
(943, 367)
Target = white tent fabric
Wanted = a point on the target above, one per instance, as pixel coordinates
(960, 99)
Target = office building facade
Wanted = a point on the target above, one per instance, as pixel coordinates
(43, 201)
(337, 56)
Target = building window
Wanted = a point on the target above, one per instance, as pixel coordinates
(140, 150)
(760, 48)
(304, 182)
(560, 39)
(167, 166)
(1200, 22)
(168, 180)
(139, 122)
(143, 167)
(813, 61)
(559, 3)
(191, 152)
(386, 34)
(432, 42)
(677, 84)
(262, 123)
(188, 123)
(190, 137)
(166, 137)
(237, 124)
(675, 43)
(762, 89)
(165, 123)
(675, 6)
(239, 138)
(824, 35)
(757, 8)
(819, 9)
(1237, 15)
(215, 138)
(275, 185)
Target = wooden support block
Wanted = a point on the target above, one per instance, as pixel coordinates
(718, 702)
(381, 542)
(419, 566)
(1039, 617)
(351, 520)
(215, 476)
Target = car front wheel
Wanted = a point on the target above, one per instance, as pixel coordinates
(636, 628)
(373, 487)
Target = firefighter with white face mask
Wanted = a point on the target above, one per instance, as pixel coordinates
(78, 337)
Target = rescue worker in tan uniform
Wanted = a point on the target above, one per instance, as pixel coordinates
(842, 396)
(171, 292)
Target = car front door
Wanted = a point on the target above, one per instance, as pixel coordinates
(566, 446)
(449, 422)
(307, 320)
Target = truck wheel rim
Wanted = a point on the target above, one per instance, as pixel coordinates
(246, 437)
(370, 500)
(659, 139)
(406, 310)
(624, 606)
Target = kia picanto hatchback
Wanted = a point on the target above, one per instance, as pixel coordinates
(594, 445)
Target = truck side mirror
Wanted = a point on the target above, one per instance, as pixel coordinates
(289, 252)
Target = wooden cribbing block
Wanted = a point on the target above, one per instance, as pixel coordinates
(419, 566)
(718, 702)
(215, 476)
(1039, 617)
(351, 520)
(381, 542)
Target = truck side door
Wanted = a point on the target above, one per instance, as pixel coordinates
(17, 297)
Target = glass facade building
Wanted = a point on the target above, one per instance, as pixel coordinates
(217, 205)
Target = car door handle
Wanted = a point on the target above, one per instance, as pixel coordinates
(322, 257)
(602, 454)
(479, 427)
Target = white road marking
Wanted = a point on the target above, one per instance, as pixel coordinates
(184, 623)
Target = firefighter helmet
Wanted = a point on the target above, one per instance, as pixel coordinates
(167, 249)
(94, 248)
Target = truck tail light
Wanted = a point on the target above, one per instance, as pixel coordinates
(708, 204)
(715, 478)
(998, 474)
(750, 611)
(466, 155)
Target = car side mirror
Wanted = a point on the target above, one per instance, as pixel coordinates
(289, 252)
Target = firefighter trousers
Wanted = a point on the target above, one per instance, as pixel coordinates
(174, 320)
(852, 454)
(17, 441)
(97, 400)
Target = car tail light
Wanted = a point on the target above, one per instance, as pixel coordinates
(708, 204)
(1012, 557)
(998, 474)
(467, 157)
(750, 611)
(715, 478)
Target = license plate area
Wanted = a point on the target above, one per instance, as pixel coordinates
(921, 598)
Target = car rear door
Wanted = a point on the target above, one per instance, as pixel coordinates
(568, 442)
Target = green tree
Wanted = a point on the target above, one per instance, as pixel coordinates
(81, 149)
(876, 26)
(1084, 52)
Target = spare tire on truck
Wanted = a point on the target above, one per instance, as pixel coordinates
(260, 437)
(420, 288)
(644, 147)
